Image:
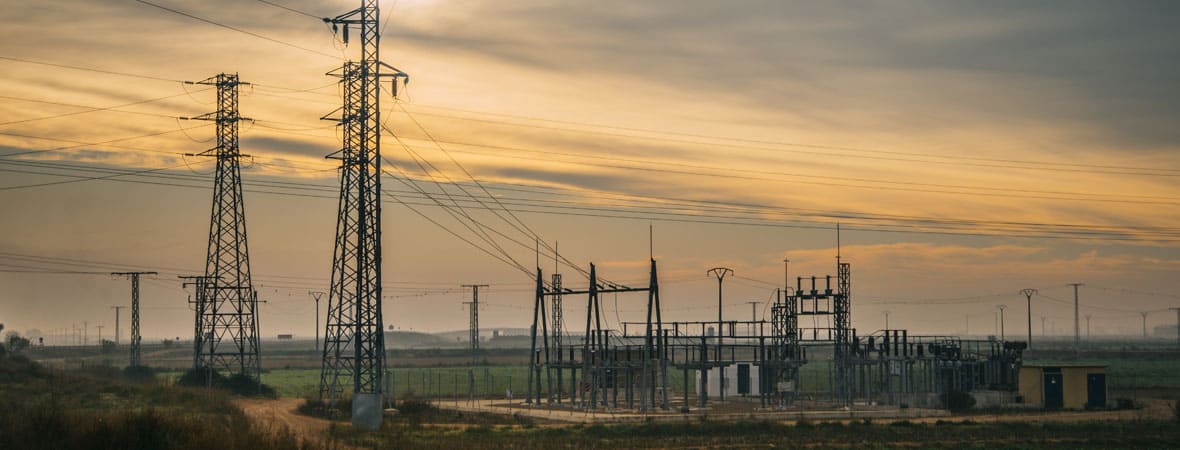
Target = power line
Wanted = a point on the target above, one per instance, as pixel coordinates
(288, 8)
(526, 230)
(90, 69)
(89, 144)
(232, 28)
(88, 109)
(1096, 167)
(548, 207)
(658, 167)
(1153, 170)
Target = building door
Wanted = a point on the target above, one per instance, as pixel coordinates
(1054, 394)
(743, 380)
(1096, 390)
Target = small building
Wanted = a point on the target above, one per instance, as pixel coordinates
(286, 337)
(741, 379)
(1063, 386)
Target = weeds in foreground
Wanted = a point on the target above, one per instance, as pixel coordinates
(110, 409)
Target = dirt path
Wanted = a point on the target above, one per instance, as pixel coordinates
(280, 413)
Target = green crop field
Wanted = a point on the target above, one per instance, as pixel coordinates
(434, 382)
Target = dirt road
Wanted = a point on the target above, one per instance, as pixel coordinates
(277, 414)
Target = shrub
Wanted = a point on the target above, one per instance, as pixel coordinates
(957, 401)
(240, 384)
(139, 374)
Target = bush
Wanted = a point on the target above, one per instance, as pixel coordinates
(139, 374)
(19, 368)
(240, 384)
(957, 401)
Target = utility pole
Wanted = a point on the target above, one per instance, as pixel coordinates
(1042, 326)
(229, 327)
(720, 273)
(85, 330)
(1144, 314)
(1177, 325)
(753, 310)
(117, 308)
(1077, 330)
(1002, 307)
(473, 325)
(135, 337)
(202, 331)
(1087, 327)
(317, 295)
(886, 313)
(1028, 293)
(99, 335)
(786, 275)
(354, 340)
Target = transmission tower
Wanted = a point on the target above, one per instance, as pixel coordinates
(228, 334)
(354, 339)
(473, 326)
(135, 337)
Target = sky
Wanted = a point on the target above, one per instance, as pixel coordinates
(968, 150)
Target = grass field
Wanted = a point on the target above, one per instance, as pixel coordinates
(432, 382)
(423, 427)
(102, 408)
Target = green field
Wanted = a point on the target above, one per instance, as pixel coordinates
(434, 382)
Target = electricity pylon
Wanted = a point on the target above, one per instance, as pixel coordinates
(135, 337)
(354, 338)
(473, 326)
(228, 322)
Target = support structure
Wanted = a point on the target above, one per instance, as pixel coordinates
(720, 273)
(1028, 293)
(200, 306)
(117, 331)
(135, 337)
(1077, 326)
(1177, 325)
(473, 325)
(354, 336)
(1003, 307)
(316, 295)
(227, 332)
(605, 363)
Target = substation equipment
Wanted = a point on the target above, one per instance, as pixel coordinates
(806, 356)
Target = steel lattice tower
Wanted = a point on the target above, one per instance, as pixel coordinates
(558, 319)
(473, 326)
(227, 339)
(354, 339)
(844, 341)
(135, 337)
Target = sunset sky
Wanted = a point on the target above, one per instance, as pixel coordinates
(968, 150)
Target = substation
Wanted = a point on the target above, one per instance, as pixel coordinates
(807, 356)
(789, 362)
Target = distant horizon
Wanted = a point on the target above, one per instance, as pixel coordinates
(965, 150)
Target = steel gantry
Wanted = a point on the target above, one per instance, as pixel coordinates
(603, 361)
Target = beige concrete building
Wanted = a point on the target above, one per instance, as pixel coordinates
(1063, 386)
